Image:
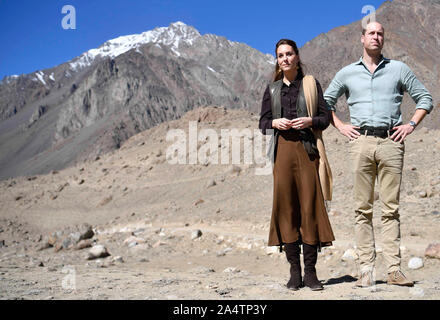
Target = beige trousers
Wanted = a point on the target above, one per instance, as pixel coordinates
(382, 158)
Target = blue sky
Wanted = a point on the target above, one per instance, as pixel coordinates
(32, 37)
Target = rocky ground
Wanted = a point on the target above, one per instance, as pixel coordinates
(197, 231)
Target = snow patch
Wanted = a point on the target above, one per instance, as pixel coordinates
(51, 77)
(40, 77)
(209, 68)
(172, 36)
(271, 59)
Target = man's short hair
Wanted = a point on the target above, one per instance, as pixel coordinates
(365, 30)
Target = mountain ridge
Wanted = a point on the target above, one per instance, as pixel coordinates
(55, 117)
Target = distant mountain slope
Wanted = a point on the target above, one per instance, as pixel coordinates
(91, 104)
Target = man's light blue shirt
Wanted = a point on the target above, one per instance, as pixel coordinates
(374, 99)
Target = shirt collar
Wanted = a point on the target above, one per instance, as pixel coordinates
(295, 82)
(383, 59)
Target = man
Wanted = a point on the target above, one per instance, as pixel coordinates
(374, 88)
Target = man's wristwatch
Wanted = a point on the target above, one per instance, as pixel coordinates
(413, 124)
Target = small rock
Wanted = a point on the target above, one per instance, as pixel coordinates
(104, 201)
(212, 286)
(43, 246)
(86, 231)
(223, 292)
(133, 241)
(349, 255)
(100, 264)
(422, 194)
(199, 202)
(159, 243)
(433, 251)
(435, 213)
(58, 247)
(97, 251)
(118, 259)
(196, 234)
(415, 263)
(334, 213)
(202, 270)
(2, 243)
(211, 183)
(244, 245)
(87, 243)
(138, 231)
(231, 270)
(67, 243)
(430, 193)
(223, 252)
(81, 181)
(271, 250)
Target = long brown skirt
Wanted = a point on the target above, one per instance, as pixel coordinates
(299, 211)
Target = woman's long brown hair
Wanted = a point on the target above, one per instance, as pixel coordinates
(278, 74)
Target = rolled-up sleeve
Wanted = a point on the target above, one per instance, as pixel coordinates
(266, 112)
(334, 91)
(416, 89)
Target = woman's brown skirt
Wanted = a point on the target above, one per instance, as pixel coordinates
(299, 211)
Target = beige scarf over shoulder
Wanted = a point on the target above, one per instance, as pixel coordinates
(325, 173)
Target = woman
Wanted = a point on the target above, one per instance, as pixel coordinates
(299, 215)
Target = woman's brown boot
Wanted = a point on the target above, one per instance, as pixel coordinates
(293, 251)
(310, 254)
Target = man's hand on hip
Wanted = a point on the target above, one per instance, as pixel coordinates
(349, 131)
(402, 132)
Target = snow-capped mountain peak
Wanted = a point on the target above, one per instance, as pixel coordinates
(172, 36)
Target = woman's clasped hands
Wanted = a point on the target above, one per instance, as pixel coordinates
(297, 124)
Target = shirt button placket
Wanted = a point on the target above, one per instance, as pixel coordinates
(372, 101)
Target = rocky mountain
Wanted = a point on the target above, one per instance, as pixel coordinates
(79, 110)
(91, 104)
(412, 35)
